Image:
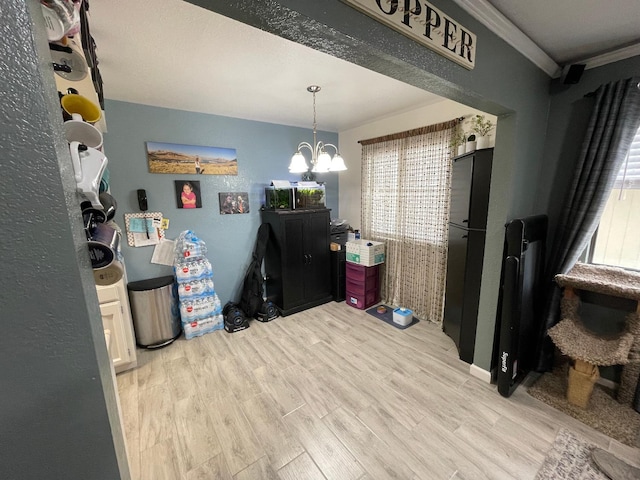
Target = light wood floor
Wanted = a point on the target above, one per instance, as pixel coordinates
(330, 393)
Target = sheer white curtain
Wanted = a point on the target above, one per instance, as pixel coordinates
(406, 179)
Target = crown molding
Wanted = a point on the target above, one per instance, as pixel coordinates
(495, 21)
(610, 57)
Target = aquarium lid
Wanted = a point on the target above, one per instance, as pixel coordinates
(281, 183)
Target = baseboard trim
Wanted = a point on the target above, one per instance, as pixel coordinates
(476, 371)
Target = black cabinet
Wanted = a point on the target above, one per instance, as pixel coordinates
(338, 274)
(470, 181)
(297, 261)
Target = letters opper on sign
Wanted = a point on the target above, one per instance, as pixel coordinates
(425, 24)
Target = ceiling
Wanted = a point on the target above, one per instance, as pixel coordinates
(172, 54)
(571, 31)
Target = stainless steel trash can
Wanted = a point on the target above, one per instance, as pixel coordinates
(154, 308)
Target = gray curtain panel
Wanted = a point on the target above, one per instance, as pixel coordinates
(612, 126)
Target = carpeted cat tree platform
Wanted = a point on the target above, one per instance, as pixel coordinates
(588, 349)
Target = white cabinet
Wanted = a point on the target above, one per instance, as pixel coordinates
(116, 317)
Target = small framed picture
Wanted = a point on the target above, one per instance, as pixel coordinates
(233, 202)
(188, 194)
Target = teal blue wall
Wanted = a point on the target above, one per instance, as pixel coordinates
(264, 151)
(58, 405)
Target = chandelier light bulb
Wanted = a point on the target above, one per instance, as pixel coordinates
(323, 163)
(298, 163)
(337, 163)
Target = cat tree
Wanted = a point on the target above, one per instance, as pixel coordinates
(589, 350)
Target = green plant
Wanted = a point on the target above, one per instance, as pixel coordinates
(279, 198)
(481, 126)
(458, 138)
(310, 198)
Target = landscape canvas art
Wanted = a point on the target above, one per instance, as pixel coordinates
(191, 159)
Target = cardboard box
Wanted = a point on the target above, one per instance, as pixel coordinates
(365, 252)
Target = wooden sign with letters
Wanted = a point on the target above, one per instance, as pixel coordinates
(425, 24)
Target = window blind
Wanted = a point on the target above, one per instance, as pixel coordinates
(629, 174)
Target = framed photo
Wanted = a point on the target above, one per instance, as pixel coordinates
(233, 202)
(184, 159)
(188, 194)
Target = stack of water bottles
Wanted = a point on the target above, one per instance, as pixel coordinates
(200, 307)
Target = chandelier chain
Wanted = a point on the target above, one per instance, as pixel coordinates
(315, 125)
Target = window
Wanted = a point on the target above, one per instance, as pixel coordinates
(405, 204)
(617, 240)
(405, 177)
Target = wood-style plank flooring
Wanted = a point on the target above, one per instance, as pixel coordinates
(330, 393)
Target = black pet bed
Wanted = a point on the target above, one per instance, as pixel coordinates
(388, 316)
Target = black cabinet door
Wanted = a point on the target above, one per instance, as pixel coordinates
(456, 270)
(470, 181)
(318, 267)
(293, 260)
(479, 202)
(472, 281)
(461, 177)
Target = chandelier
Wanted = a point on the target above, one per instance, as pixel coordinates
(321, 161)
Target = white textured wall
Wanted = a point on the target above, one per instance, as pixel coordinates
(349, 197)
